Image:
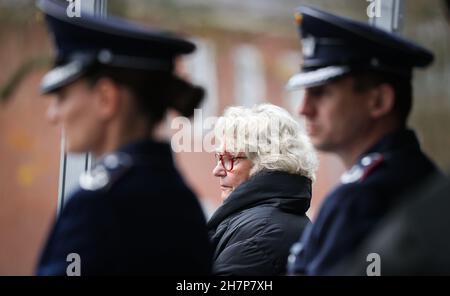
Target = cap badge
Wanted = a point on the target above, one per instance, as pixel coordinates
(298, 18)
(309, 46)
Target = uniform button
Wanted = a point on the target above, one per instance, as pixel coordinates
(111, 161)
(105, 56)
(366, 161)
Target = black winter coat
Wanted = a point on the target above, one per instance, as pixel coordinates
(257, 224)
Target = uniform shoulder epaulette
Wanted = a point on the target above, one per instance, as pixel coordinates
(106, 172)
(360, 171)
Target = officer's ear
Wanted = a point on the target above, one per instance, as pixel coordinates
(107, 95)
(382, 100)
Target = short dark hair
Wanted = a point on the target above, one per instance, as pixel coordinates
(402, 85)
(155, 91)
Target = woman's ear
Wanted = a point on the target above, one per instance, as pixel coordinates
(107, 98)
(382, 101)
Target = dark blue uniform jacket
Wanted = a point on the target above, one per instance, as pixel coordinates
(143, 220)
(383, 175)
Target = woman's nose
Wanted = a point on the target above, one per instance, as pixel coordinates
(218, 170)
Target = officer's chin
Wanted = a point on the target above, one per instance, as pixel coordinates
(315, 140)
(75, 148)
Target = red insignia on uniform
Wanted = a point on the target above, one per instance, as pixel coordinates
(374, 162)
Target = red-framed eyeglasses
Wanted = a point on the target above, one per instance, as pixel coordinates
(227, 160)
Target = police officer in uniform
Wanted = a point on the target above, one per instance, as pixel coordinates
(412, 239)
(358, 95)
(112, 83)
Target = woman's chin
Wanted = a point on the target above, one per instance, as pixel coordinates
(225, 194)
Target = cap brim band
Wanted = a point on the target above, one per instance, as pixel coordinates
(316, 77)
(61, 76)
(69, 72)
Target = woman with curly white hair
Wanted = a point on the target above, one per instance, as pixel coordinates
(265, 164)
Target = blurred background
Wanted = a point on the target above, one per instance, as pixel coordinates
(247, 50)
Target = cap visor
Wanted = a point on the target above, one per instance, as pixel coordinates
(316, 77)
(61, 76)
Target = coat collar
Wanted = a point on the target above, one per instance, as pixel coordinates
(395, 140)
(112, 166)
(380, 152)
(289, 192)
(149, 149)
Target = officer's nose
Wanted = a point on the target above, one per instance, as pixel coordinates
(218, 170)
(306, 107)
(53, 112)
